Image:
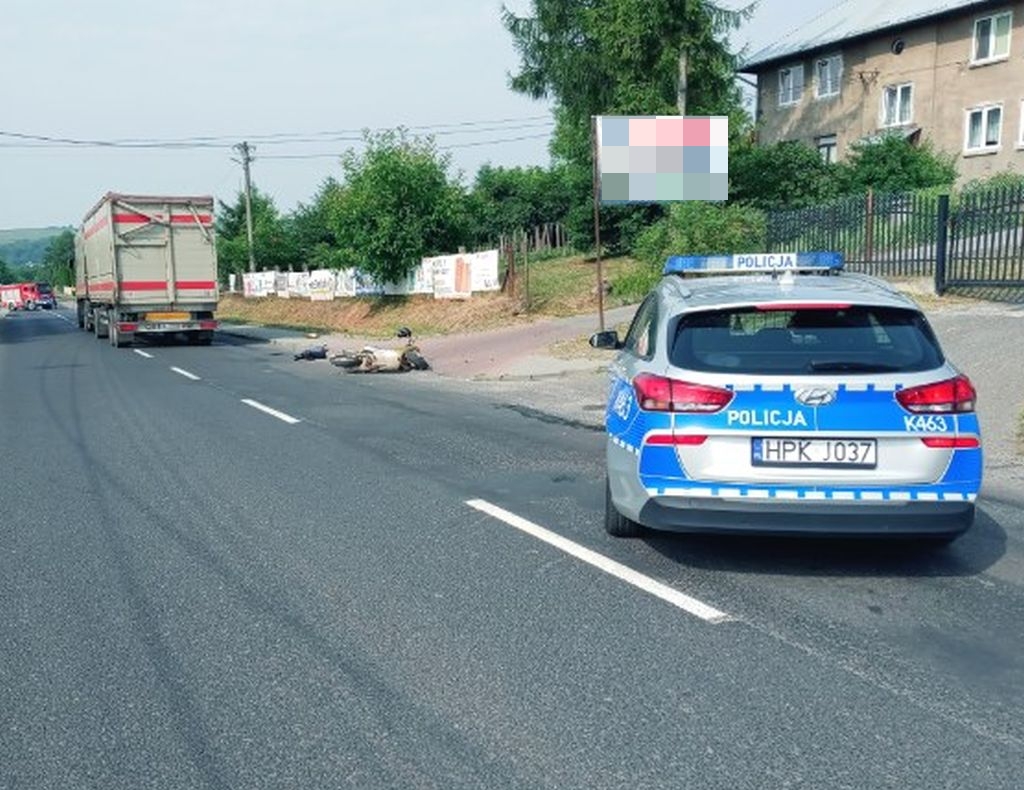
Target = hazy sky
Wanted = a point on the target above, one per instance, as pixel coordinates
(239, 69)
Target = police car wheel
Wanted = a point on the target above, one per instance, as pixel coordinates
(615, 523)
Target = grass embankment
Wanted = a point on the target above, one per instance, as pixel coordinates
(560, 287)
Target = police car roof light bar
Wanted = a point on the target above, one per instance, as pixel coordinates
(769, 262)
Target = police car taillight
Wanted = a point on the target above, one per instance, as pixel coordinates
(951, 396)
(657, 393)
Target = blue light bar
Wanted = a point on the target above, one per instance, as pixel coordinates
(754, 262)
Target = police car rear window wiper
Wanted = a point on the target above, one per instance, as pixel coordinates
(847, 366)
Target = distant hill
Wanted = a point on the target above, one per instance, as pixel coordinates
(26, 246)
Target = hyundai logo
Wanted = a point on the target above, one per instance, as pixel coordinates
(815, 396)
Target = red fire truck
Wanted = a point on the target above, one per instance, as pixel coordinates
(20, 296)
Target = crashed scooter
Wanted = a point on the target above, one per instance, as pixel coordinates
(372, 359)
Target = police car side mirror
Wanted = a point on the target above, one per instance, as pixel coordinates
(609, 340)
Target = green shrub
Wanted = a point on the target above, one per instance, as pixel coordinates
(702, 228)
(890, 163)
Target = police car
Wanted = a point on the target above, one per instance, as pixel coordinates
(778, 393)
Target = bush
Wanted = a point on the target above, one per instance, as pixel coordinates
(787, 174)
(702, 228)
(891, 163)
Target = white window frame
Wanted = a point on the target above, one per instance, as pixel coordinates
(794, 96)
(992, 18)
(836, 88)
(1020, 129)
(984, 109)
(825, 142)
(896, 122)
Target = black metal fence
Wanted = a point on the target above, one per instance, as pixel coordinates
(974, 238)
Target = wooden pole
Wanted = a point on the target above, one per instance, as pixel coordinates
(597, 225)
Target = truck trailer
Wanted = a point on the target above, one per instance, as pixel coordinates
(147, 265)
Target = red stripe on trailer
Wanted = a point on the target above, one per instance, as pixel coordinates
(144, 285)
(177, 219)
(196, 285)
(97, 226)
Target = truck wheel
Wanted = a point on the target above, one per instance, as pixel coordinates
(81, 316)
(99, 329)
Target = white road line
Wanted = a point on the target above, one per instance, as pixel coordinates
(142, 353)
(272, 412)
(610, 566)
(186, 374)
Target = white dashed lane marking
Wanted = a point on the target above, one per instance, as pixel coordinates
(186, 374)
(618, 570)
(272, 412)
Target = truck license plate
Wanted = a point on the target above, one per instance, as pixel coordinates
(849, 453)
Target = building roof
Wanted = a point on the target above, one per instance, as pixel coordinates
(853, 19)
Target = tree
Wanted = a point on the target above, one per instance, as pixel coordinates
(892, 163)
(273, 240)
(506, 200)
(58, 266)
(396, 206)
(790, 174)
(6, 276)
(610, 57)
(311, 223)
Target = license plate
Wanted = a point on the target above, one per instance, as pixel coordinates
(847, 453)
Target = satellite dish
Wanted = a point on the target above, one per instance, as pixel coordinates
(897, 46)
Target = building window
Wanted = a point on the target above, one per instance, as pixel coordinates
(897, 104)
(984, 128)
(828, 71)
(791, 84)
(992, 37)
(828, 147)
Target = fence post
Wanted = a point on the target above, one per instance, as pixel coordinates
(941, 247)
(869, 226)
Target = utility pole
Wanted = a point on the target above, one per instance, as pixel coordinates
(245, 150)
(683, 65)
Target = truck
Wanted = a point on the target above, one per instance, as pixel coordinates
(146, 265)
(20, 296)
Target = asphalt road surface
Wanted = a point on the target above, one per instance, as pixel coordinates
(220, 568)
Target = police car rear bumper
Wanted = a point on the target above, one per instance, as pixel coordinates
(683, 514)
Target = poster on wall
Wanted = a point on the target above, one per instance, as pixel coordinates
(298, 285)
(281, 285)
(419, 281)
(248, 285)
(321, 285)
(453, 278)
(345, 282)
(485, 271)
(367, 285)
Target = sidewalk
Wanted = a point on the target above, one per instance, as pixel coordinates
(514, 352)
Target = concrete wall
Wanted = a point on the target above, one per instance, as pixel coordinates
(936, 59)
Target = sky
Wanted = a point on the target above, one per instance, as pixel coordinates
(259, 70)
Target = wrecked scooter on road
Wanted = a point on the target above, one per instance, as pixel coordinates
(372, 359)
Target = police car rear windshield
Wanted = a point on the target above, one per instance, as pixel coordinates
(852, 339)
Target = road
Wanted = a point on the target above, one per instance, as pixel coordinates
(220, 568)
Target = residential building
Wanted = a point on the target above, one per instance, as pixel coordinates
(947, 70)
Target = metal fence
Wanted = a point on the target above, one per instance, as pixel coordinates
(971, 239)
(985, 240)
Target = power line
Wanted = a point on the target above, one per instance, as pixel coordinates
(28, 140)
(473, 144)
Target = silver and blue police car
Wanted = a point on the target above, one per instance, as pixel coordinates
(778, 393)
